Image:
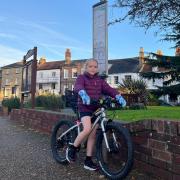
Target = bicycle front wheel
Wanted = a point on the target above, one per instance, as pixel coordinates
(59, 145)
(117, 162)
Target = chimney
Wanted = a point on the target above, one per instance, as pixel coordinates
(42, 60)
(177, 51)
(68, 56)
(141, 56)
(159, 52)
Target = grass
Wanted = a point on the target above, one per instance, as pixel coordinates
(152, 112)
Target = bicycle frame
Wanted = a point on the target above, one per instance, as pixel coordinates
(101, 118)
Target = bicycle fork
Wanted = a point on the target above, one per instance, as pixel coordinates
(105, 136)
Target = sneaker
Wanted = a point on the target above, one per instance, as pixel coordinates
(90, 165)
(71, 154)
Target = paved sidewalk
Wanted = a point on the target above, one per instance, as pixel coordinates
(26, 155)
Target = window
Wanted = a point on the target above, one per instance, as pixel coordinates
(7, 81)
(53, 74)
(65, 73)
(116, 79)
(155, 69)
(7, 92)
(74, 73)
(7, 71)
(13, 90)
(127, 77)
(40, 86)
(17, 70)
(16, 81)
(41, 74)
(64, 88)
(53, 86)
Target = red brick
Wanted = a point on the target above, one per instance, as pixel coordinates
(142, 149)
(175, 140)
(179, 128)
(143, 167)
(141, 156)
(160, 127)
(170, 127)
(176, 177)
(176, 169)
(159, 145)
(148, 124)
(139, 139)
(152, 171)
(157, 162)
(173, 148)
(137, 126)
(161, 173)
(164, 156)
(176, 158)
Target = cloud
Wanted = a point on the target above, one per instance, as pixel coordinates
(10, 36)
(9, 55)
(48, 31)
(50, 42)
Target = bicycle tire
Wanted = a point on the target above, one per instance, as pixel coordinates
(125, 136)
(56, 145)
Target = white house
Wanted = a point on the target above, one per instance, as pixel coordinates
(128, 68)
(48, 77)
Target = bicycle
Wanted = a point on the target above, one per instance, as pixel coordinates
(114, 148)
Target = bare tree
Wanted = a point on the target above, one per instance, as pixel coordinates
(147, 13)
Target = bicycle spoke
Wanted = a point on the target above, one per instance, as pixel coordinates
(59, 145)
(116, 162)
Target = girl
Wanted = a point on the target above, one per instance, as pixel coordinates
(90, 85)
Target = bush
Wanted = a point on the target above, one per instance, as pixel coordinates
(28, 104)
(153, 100)
(52, 102)
(12, 103)
(136, 106)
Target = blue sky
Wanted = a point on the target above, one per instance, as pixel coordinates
(54, 25)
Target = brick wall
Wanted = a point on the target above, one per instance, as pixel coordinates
(38, 120)
(157, 148)
(156, 143)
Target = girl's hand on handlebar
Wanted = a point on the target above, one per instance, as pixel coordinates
(120, 100)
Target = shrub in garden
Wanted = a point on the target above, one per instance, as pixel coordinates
(50, 101)
(136, 106)
(12, 103)
(153, 100)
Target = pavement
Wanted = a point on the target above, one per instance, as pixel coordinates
(25, 154)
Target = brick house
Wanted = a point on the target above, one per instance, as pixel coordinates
(12, 80)
(56, 76)
(69, 71)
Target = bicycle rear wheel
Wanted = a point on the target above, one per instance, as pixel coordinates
(117, 163)
(59, 146)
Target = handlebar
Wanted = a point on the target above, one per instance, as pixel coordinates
(106, 102)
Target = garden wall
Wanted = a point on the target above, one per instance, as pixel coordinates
(4, 111)
(156, 142)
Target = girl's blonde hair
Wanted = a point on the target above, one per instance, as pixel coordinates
(86, 63)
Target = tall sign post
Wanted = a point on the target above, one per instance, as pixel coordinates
(29, 76)
(100, 36)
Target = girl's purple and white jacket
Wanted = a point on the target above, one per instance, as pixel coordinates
(95, 87)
